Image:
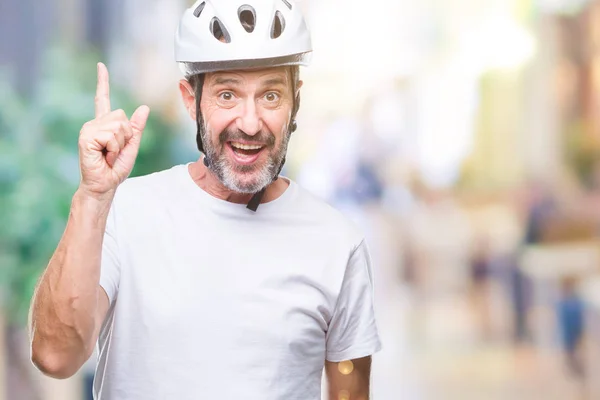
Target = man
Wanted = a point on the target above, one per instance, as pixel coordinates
(189, 288)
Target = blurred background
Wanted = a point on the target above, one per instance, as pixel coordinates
(463, 136)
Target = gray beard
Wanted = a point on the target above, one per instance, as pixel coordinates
(228, 174)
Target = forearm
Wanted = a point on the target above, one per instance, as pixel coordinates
(349, 379)
(64, 307)
(348, 393)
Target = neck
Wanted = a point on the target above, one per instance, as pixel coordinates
(208, 182)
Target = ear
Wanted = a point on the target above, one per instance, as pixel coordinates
(188, 97)
(296, 103)
(300, 83)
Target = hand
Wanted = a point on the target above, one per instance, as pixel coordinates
(109, 144)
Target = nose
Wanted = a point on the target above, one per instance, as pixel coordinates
(250, 121)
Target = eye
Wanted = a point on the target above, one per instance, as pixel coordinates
(226, 96)
(272, 97)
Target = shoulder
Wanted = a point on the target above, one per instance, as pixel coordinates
(159, 179)
(330, 221)
(140, 190)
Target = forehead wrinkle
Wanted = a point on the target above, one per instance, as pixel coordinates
(263, 77)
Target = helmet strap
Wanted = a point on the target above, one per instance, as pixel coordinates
(257, 197)
(199, 83)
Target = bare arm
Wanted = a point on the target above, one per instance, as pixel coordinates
(349, 379)
(69, 306)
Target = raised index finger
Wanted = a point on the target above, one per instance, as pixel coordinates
(102, 100)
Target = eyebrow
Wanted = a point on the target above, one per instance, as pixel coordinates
(274, 82)
(236, 82)
(227, 81)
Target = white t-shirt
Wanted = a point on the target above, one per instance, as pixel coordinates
(210, 300)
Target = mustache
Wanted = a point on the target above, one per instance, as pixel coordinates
(263, 137)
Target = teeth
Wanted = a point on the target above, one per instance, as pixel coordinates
(245, 146)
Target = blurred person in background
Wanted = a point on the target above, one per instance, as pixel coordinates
(480, 290)
(539, 206)
(187, 286)
(570, 316)
(364, 185)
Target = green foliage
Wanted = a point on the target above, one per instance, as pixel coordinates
(39, 167)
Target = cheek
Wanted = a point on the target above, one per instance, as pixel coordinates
(217, 121)
(278, 124)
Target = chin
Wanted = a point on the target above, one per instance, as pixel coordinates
(246, 179)
(246, 183)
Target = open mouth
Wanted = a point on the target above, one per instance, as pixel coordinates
(245, 153)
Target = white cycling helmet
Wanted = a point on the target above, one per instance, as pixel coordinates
(217, 35)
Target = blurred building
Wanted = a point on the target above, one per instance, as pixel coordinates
(33, 26)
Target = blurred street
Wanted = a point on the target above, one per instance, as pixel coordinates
(452, 344)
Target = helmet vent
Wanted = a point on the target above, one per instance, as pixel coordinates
(199, 9)
(247, 17)
(219, 31)
(278, 25)
(287, 3)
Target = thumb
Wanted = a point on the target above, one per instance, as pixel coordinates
(138, 120)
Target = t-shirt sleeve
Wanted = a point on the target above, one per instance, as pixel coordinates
(110, 268)
(352, 331)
